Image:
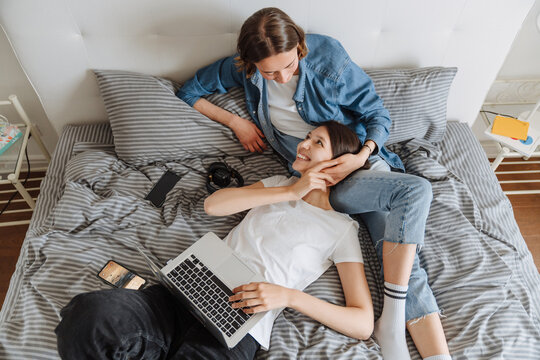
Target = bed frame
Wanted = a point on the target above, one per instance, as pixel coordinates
(59, 42)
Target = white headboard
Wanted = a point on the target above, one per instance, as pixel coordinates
(58, 41)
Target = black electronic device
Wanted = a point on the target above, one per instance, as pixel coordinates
(119, 276)
(220, 176)
(162, 187)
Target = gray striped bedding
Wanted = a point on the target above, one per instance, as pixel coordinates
(148, 120)
(144, 113)
(416, 99)
(90, 210)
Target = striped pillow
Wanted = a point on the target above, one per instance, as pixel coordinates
(150, 124)
(416, 99)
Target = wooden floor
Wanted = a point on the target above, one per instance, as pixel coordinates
(526, 207)
(11, 237)
(526, 210)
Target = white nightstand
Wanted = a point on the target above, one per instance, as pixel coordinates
(513, 148)
(526, 148)
(17, 151)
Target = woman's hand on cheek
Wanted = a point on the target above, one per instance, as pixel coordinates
(260, 296)
(346, 164)
(313, 179)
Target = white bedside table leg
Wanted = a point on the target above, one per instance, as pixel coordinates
(20, 188)
(15, 101)
(500, 156)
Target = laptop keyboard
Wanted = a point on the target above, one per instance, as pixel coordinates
(209, 293)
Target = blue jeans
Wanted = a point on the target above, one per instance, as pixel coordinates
(394, 206)
(138, 324)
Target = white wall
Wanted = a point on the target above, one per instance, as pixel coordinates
(14, 81)
(522, 62)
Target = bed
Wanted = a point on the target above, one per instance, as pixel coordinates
(91, 206)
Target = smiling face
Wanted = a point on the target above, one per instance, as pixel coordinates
(280, 67)
(313, 149)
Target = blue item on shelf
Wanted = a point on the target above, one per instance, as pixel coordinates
(8, 136)
(527, 141)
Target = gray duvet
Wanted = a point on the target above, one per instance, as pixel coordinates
(91, 209)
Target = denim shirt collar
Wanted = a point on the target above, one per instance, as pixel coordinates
(299, 94)
(257, 79)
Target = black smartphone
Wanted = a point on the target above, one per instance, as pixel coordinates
(162, 187)
(119, 276)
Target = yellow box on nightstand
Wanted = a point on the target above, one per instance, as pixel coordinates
(507, 126)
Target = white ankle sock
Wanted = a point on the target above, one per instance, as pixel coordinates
(439, 357)
(390, 327)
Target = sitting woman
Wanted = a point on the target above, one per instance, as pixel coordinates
(291, 236)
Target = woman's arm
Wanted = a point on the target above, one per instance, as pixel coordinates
(219, 77)
(247, 132)
(356, 93)
(355, 319)
(234, 200)
(229, 201)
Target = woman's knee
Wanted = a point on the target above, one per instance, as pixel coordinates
(89, 317)
(98, 305)
(419, 190)
(425, 190)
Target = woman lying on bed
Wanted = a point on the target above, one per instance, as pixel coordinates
(291, 235)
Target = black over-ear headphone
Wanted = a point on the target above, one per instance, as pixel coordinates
(220, 176)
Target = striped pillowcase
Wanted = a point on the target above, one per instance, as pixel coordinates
(150, 124)
(416, 100)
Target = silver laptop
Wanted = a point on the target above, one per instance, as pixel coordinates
(202, 278)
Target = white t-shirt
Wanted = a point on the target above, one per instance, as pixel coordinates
(292, 244)
(283, 113)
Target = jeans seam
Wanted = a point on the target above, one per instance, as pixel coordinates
(407, 208)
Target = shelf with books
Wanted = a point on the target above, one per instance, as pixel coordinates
(14, 149)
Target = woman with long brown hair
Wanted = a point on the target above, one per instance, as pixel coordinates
(152, 324)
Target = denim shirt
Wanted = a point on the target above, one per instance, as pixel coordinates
(330, 87)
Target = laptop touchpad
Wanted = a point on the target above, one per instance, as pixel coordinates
(234, 273)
